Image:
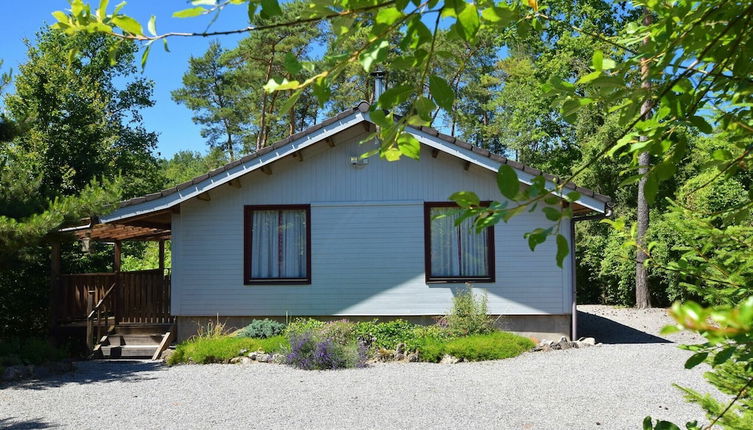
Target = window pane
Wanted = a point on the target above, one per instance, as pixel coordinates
(456, 251)
(278, 244)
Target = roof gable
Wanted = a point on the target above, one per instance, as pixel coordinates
(171, 197)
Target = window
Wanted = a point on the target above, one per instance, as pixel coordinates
(456, 253)
(277, 244)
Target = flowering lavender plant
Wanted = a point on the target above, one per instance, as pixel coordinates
(311, 351)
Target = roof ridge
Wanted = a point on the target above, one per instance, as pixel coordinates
(363, 107)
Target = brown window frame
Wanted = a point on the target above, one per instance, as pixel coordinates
(248, 238)
(490, 253)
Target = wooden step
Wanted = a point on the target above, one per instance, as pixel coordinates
(128, 351)
(119, 339)
(142, 328)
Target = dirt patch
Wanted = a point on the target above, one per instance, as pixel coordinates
(608, 324)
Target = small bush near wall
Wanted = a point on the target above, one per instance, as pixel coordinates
(493, 346)
(28, 351)
(468, 315)
(220, 349)
(261, 329)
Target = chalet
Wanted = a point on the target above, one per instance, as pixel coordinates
(307, 228)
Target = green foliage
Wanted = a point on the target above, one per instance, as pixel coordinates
(302, 325)
(219, 349)
(15, 351)
(469, 314)
(493, 346)
(388, 334)
(262, 329)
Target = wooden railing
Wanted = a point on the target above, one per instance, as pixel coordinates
(125, 297)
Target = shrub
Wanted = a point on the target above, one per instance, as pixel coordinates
(385, 335)
(219, 349)
(211, 330)
(28, 351)
(302, 325)
(341, 331)
(468, 315)
(262, 329)
(493, 346)
(311, 352)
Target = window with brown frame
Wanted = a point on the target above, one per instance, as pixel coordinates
(455, 253)
(277, 244)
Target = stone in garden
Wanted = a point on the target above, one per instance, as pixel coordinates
(400, 348)
(277, 358)
(399, 356)
(252, 355)
(412, 357)
(242, 351)
(588, 341)
(449, 359)
(263, 358)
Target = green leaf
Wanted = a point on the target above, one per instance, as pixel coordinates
(102, 9)
(701, 123)
(388, 15)
(465, 199)
(572, 196)
(442, 92)
(651, 187)
(552, 214)
(291, 100)
(507, 182)
(469, 21)
(152, 25)
(394, 96)
(724, 355)
(128, 24)
(60, 16)
(409, 145)
(597, 60)
(292, 65)
(190, 12)
(270, 8)
(145, 55)
(563, 249)
(537, 237)
(696, 359)
(722, 155)
(498, 15)
(375, 53)
(425, 108)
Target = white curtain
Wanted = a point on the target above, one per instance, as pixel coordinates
(456, 251)
(278, 248)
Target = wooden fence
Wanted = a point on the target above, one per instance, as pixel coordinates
(136, 297)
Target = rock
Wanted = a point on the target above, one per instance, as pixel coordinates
(243, 351)
(399, 356)
(277, 358)
(14, 373)
(263, 358)
(236, 360)
(252, 355)
(412, 357)
(449, 359)
(400, 348)
(587, 341)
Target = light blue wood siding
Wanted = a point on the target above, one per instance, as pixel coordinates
(367, 241)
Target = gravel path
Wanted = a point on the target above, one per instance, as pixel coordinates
(611, 386)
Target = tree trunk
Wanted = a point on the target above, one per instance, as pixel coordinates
(642, 295)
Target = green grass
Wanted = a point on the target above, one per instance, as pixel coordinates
(221, 348)
(494, 346)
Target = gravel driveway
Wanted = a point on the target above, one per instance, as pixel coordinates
(611, 386)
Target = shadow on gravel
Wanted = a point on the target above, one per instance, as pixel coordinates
(87, 372)
(608, 331)
(12, 424)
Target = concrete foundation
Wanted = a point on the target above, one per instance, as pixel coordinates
(537, 326)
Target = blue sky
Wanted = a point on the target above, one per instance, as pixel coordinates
(21, 20)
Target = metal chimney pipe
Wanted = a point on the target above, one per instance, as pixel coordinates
(379, 83)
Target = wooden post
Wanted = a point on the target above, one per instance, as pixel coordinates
(117, 292)
(162, 256)
(89, 321)
(54, 290)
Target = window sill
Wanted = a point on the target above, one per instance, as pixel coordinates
(252, 282)
(459, 280)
